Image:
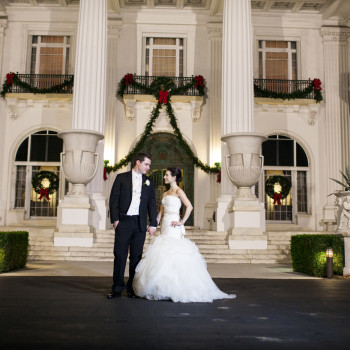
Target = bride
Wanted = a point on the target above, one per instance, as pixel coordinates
(172, 267)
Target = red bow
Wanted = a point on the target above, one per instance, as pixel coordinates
(317, 84)
(9, 77)
(199, 80)
(163, 96)
(219, 177)
(129, 79)
(105, 174)
(44, 192)
(277, 198)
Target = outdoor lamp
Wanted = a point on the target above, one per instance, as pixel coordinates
(329, 255)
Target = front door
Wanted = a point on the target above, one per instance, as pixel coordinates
(167, 152)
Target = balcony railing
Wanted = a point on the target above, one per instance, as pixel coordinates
(148, 80)
(43, 82)
(283, 86)
(51, 81)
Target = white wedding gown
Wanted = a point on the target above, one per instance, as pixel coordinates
(172, 267)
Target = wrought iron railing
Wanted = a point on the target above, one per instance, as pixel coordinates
(283, 86)
(148, 80)
(47, 81)
(44, 81)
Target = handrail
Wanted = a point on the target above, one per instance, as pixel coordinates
(283, 86)
(43, 81)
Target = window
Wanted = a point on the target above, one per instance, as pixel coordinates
(278, 60)
(281, 150)
(285, 157)
(164, 57)
(39, 151)
(49, 54)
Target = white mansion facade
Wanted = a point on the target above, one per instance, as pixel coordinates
(294, 42)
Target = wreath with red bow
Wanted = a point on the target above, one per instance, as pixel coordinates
(285, 188)
(37, 180)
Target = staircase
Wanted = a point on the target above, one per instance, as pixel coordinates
(213, 245)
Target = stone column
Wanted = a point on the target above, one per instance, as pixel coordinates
(246, 215)
(114, 27)
(89, 103)
(3, 25)
(336, 86)
(215, 35)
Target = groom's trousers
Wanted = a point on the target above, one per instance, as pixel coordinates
(127, 235)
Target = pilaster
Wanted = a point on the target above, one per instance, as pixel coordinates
(336, 70)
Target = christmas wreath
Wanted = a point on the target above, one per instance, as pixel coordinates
(37, 180)
(285, 188)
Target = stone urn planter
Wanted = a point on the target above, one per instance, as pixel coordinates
(79, 160)
(244, 161)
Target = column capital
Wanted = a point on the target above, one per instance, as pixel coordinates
(335, 34)
(3, 25)
(113, 28)
(214, 30)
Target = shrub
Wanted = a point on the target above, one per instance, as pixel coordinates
(13, 250)
(309, 254)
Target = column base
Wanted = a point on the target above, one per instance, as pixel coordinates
(74, 223)
(346, 270)
(222, 217)
(99, 217)
(248, 225)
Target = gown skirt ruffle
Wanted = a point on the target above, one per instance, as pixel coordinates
(172, 266)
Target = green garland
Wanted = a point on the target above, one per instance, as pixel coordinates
(161, 84)
(315, 86)
(13, 79)
(284, 183)
(40, 176)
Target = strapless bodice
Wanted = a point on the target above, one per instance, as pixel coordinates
(171, 204)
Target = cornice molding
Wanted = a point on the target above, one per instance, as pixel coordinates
(335, 34)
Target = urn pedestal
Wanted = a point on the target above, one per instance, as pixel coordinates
(79, 165)
(244, 165)
(342, 217)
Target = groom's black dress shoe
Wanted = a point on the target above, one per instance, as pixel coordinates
(131, 294)
(114, 295)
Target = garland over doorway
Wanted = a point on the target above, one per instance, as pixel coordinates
(162, 88)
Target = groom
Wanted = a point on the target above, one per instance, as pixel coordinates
(132, 198)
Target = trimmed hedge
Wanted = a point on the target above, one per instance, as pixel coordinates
(309, 254)
(13, 250)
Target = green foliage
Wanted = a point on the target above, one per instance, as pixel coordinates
(309, 254)
(346, 178)
(284, 183)
(155, 87)
(40, 176)
(13, 250)
(293, 95)
(60, 88)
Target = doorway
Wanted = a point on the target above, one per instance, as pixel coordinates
(167, 152)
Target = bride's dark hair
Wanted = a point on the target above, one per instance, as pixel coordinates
(176, 172)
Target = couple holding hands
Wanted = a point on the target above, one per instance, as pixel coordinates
(172, 267)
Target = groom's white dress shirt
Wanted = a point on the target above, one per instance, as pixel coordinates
(136, 194)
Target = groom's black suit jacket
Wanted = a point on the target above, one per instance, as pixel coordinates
(121, 196)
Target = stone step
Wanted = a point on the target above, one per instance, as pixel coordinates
(212, 245)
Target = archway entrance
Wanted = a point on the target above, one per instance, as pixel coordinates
(167, 152)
